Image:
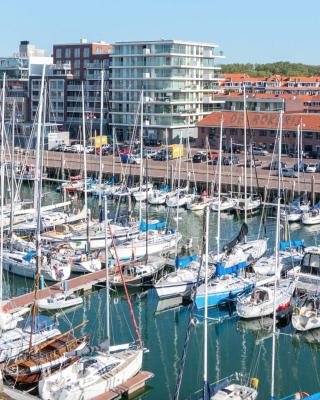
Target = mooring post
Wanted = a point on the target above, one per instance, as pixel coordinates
(313, 195)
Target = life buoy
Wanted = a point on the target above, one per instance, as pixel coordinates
(296, 310)
(84, 258)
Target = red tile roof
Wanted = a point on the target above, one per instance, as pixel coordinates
(259, 120)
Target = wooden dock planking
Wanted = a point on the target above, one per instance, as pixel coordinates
(83, 282)
(127, 388)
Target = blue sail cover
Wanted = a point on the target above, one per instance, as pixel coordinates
(296, 202)
(165, 188)
(29, 255)
(234, 269)
(158, 225)
(183, 262)
(41, 323)
(292, 243)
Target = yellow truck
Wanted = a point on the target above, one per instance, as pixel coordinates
(95, 141)
(173, 151)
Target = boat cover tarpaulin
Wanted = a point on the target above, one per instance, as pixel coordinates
(41, 323)
(155, 226)
(183, 262)
(292, 243)
(29, 255)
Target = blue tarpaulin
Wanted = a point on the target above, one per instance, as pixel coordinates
(183, 262)
(292, 243)
(165, 188)
(29, 255)
(158, 225)
(41, 323)
(221, 270)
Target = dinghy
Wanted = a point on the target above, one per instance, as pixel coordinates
(59, 301)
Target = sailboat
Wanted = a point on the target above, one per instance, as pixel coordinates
(264, 298)
(44, 358)
(93, 375)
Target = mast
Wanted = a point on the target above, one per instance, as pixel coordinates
(113, 155)
(38, 215)
(277, 261)
(219, 187)
(101, 130)
(178, 196)
(2, 184)
(298, 149)
(12, 166)
(107, 273)
(245, 155)
(147, 210)
(39, 127)
(87, 210)
(206, 390)
(231, 169)
(141, 154)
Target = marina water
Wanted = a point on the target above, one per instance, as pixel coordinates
(234, 345)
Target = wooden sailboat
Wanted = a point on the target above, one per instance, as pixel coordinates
(46, 357)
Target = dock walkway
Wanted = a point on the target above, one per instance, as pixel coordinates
(81, 283)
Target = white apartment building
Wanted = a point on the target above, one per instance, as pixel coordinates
(178, 79)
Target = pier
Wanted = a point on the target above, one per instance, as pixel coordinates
(79, 284)
(61, 165)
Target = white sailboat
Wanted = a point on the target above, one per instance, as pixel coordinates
(156, 243)
(59, 302)
(306, 316)
(264, 298)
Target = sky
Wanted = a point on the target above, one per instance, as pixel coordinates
(253, 31)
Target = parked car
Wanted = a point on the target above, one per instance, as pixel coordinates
(274, 165)
(231, 160)
(302, 166)
(312, 154)
(257, 151)
(76, 148)
(288, 172)
(200, 156)
(294, 154)
(253, 162)
(149, 153)
(134, 159)
(311, 168)
(59, 147)
(90, 149)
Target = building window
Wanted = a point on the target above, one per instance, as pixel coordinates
(58, 53)
(99, 50)
(86, 52)
(77, 52)
(76, 63)
(67, 52)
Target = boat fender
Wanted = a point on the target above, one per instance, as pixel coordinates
(70, 261)
(255, 383)
(296, 310)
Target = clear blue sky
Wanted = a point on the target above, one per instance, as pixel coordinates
(246, 30)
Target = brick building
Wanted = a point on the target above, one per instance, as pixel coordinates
(262, 128)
